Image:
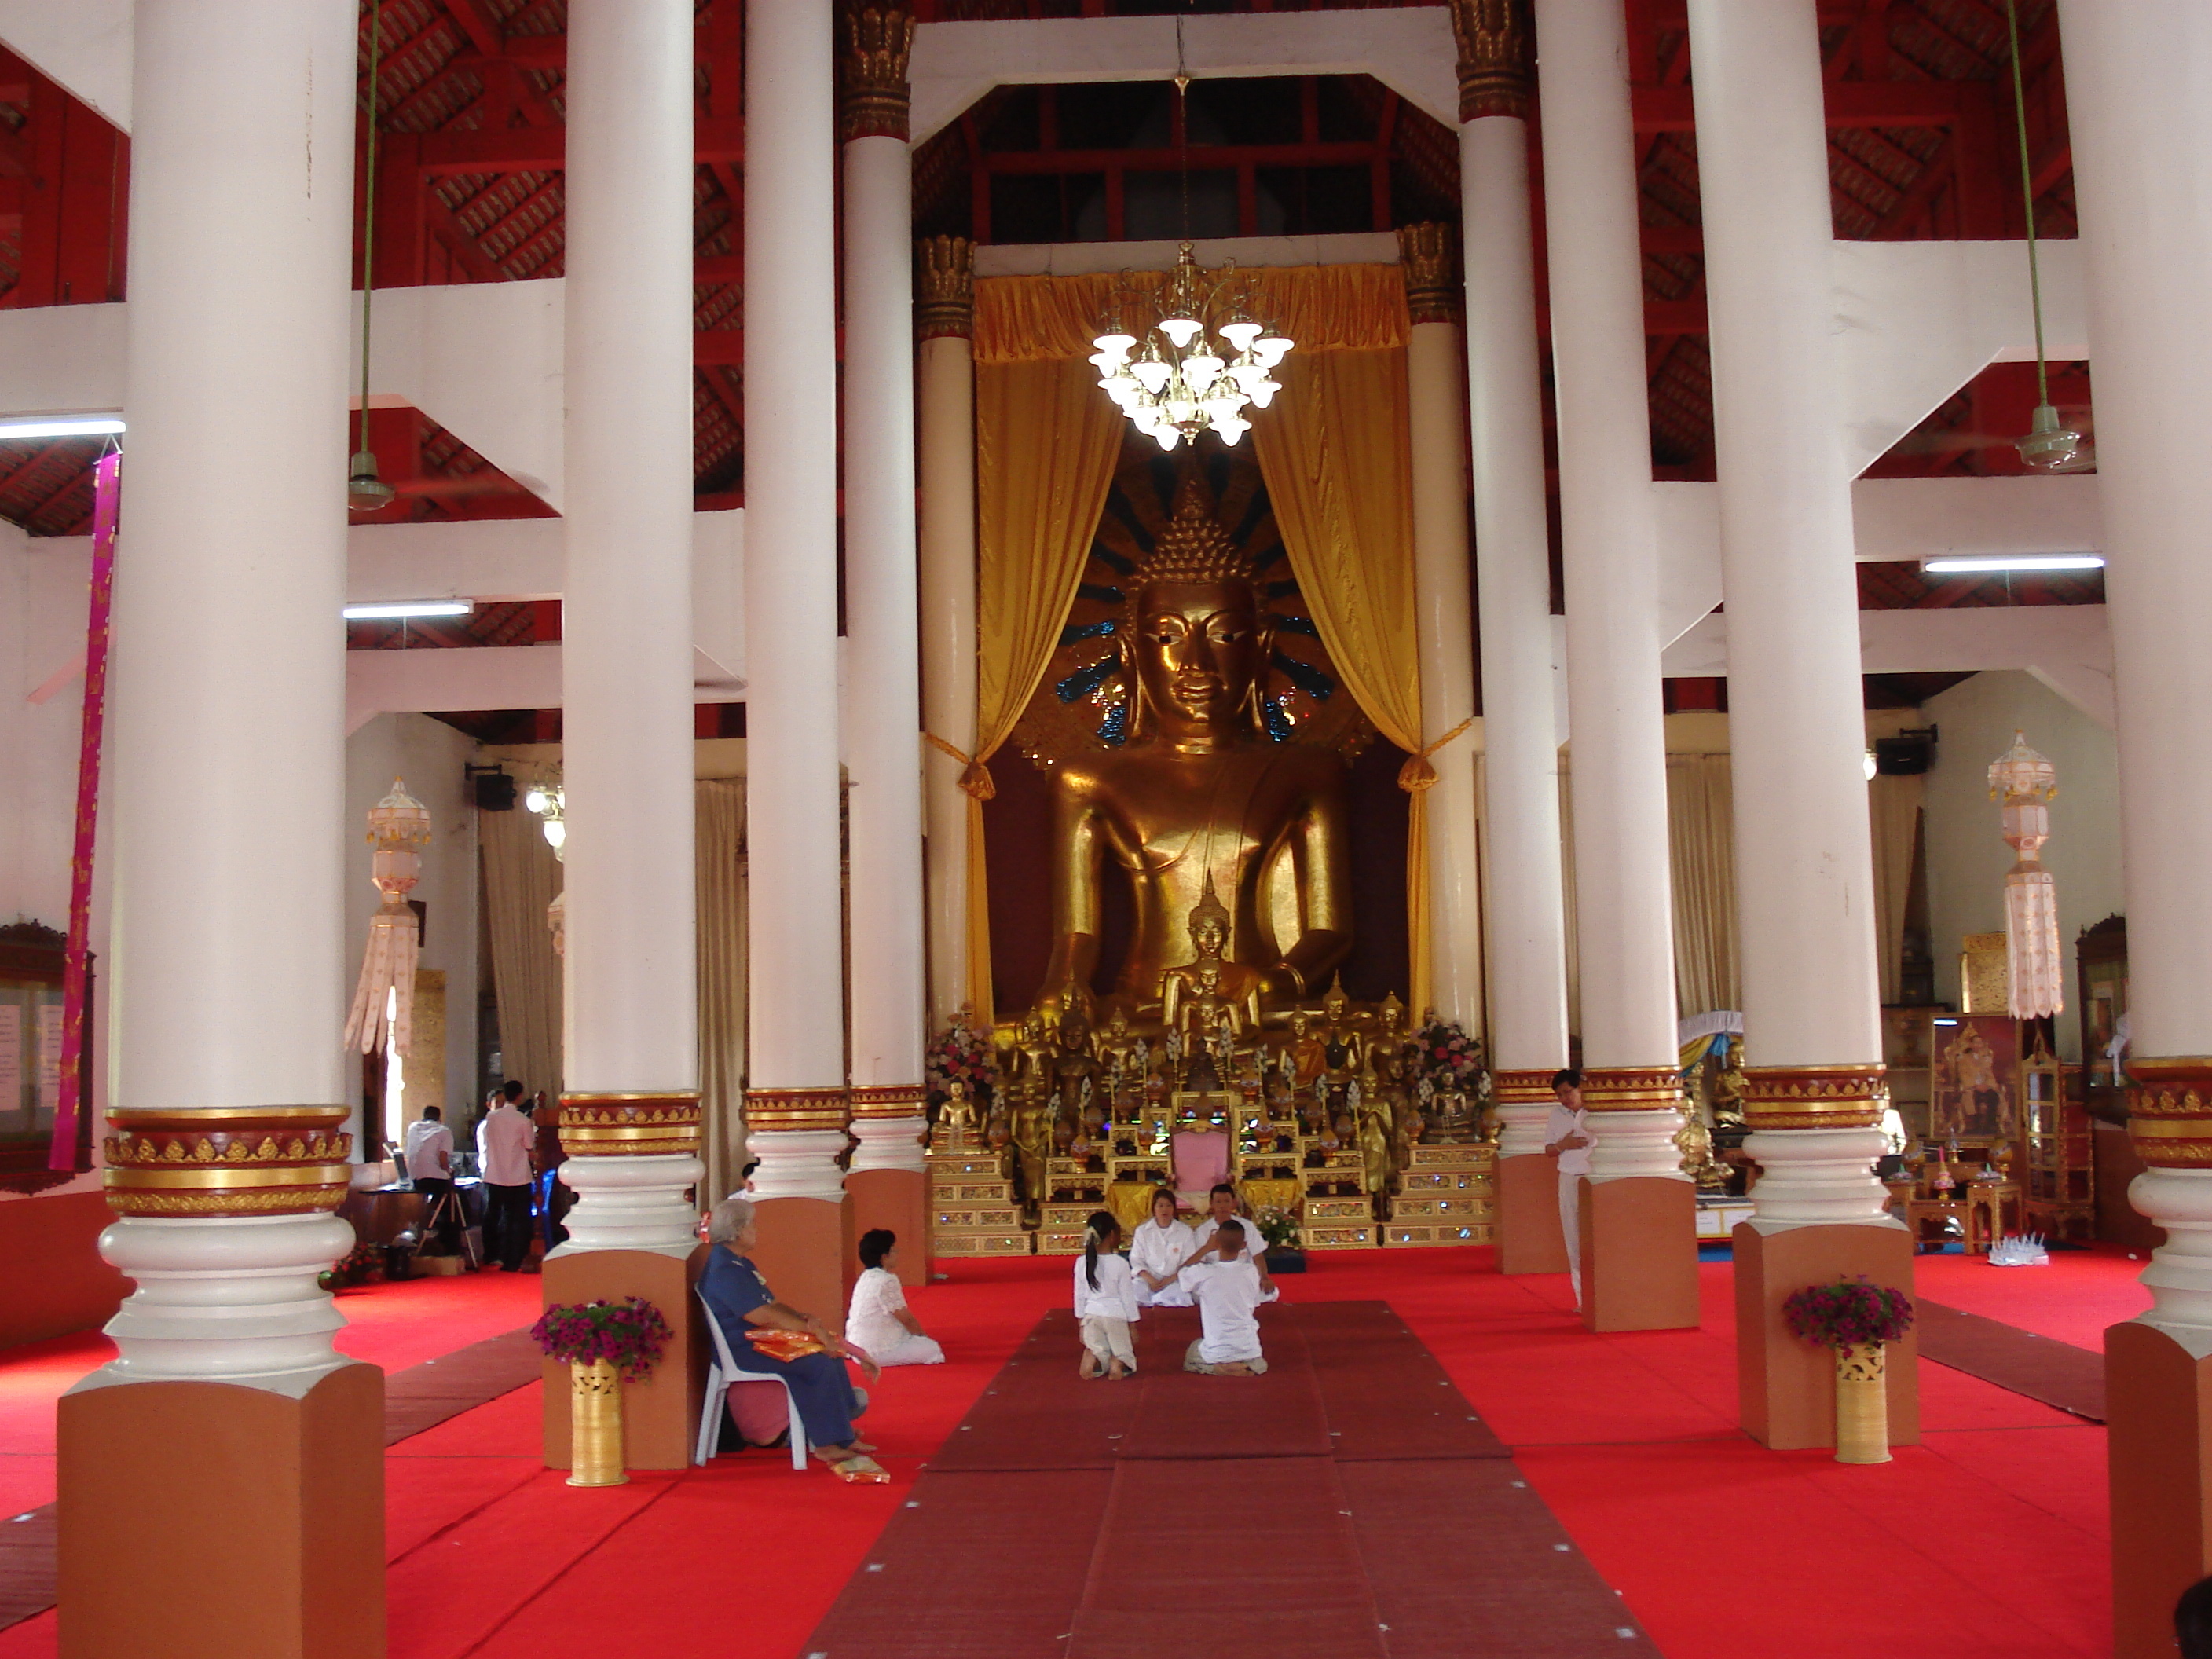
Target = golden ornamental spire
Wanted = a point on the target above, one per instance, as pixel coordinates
(1425, 255)
(944, 287)
(873, 46)
(1496, 57)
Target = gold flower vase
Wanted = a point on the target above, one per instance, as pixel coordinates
(1862, 1405)
(595, 1424)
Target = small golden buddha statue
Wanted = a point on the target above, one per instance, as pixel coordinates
(1308, 1054)
(956, 1118)
(1117, 1047)
(1343, 1046)
(1223, 982)
(1198, 795)
(1034, 1052)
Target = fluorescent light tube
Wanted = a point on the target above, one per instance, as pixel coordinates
(2028, 562)
(61, 426)
(399, 608)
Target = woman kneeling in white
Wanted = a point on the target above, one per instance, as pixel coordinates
(878, 1321)
(1227, 1287)
(1157, 1255)
(1105, 1300)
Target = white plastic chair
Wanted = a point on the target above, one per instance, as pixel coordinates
(726, 1371)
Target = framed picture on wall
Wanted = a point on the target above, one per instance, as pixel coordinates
(1973, 1078)
(2100, 966)
(30, 1059)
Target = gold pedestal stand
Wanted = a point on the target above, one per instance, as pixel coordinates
(1446, 1195)
(972, 1208)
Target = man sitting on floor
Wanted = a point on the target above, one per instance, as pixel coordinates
(1226, 1287)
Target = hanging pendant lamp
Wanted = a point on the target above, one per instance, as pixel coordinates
(366, 490)
(2051, 445)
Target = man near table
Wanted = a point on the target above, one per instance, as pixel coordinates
(430, 1167)
(504, 1142)
(1566, 1137)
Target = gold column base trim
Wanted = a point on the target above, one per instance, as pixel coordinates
(227, 1160)
(1852, 1095)
(893, 1100)
(1632, 1089)
(1523, 1087)
(2170, 1110)
(785, 1111)
(658, 1124)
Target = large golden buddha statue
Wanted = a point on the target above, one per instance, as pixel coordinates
(1199, 802)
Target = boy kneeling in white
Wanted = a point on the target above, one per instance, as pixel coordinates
(1226, 1283)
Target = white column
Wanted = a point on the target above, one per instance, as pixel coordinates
(1610, 555)
(1444, 621)
(883, 657)
(2142, 136)
(229, 985)
(1797, 722)
(1527, 981)
(946, 320)
(631, 958)
(795, 1104)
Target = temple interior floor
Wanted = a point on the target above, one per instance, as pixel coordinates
(1990, 1538)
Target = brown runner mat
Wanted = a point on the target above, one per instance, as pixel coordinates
(1390, 1552)
(2041, 1367)
(418, 1398)
(1182, 1416)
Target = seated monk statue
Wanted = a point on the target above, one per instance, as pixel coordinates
(1344, 1048)
(1198, 796)
(1308, 1054)
(1227, 983)
(956, 1118)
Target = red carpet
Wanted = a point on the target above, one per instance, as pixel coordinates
(1988, 1540)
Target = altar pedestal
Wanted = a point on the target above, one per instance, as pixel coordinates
(1787, 1386)
(294, 1487)
(1635, 1276)
(1529, 1237)
(661, 1413)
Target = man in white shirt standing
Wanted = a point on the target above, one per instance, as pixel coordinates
(430, 1167)
(504, 1141)
(1566, 1137)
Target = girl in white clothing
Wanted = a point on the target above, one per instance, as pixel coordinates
(878, 1321)
(1105, 1300)
(1157, 1255)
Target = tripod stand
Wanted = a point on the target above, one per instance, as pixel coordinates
(446, 1208)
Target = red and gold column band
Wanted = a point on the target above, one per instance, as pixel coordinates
(1850, 1097)
(227, 1161)
(1522, 1088)
(2170, 1110)
(896, 1100)
(1632, 1089)
(772, 1111)
(642, 1125)
(1497, 61)
(1425, 260)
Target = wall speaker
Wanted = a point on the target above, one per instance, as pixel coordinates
(495, 791)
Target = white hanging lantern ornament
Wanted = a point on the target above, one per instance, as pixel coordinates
(2025, 782)
(1187, 376)
(384, 1002)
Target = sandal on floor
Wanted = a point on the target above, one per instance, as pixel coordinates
(860, 1472)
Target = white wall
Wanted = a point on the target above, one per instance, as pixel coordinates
(1966, 857)
(430, 755)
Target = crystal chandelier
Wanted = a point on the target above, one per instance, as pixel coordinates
(1192, 374)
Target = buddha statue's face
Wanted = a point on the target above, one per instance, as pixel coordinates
(1200, 647)
(1211, 935)
(1299, 1023)
(1119, 1025)
(1332, 1005)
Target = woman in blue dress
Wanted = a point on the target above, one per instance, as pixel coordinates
(741, 1302)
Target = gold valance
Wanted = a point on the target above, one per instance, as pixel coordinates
(1323, 307)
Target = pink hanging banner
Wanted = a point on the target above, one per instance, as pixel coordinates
(77, 1017)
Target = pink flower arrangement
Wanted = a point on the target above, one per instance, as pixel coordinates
(630, 1334)
(1848, 1314)
(960, 1054)
(1446, 1056)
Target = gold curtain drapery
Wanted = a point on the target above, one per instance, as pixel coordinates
(719, 858)
(1335, 448)
(1046, 441)
(521, 877)
(1027, 320)
(1701, 859)
(1893, 817)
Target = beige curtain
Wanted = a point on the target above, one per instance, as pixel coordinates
(1335, 448)
(1893, 815)
(521, 877)
(720, 861)
(1046, 442)
(1701, 858)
